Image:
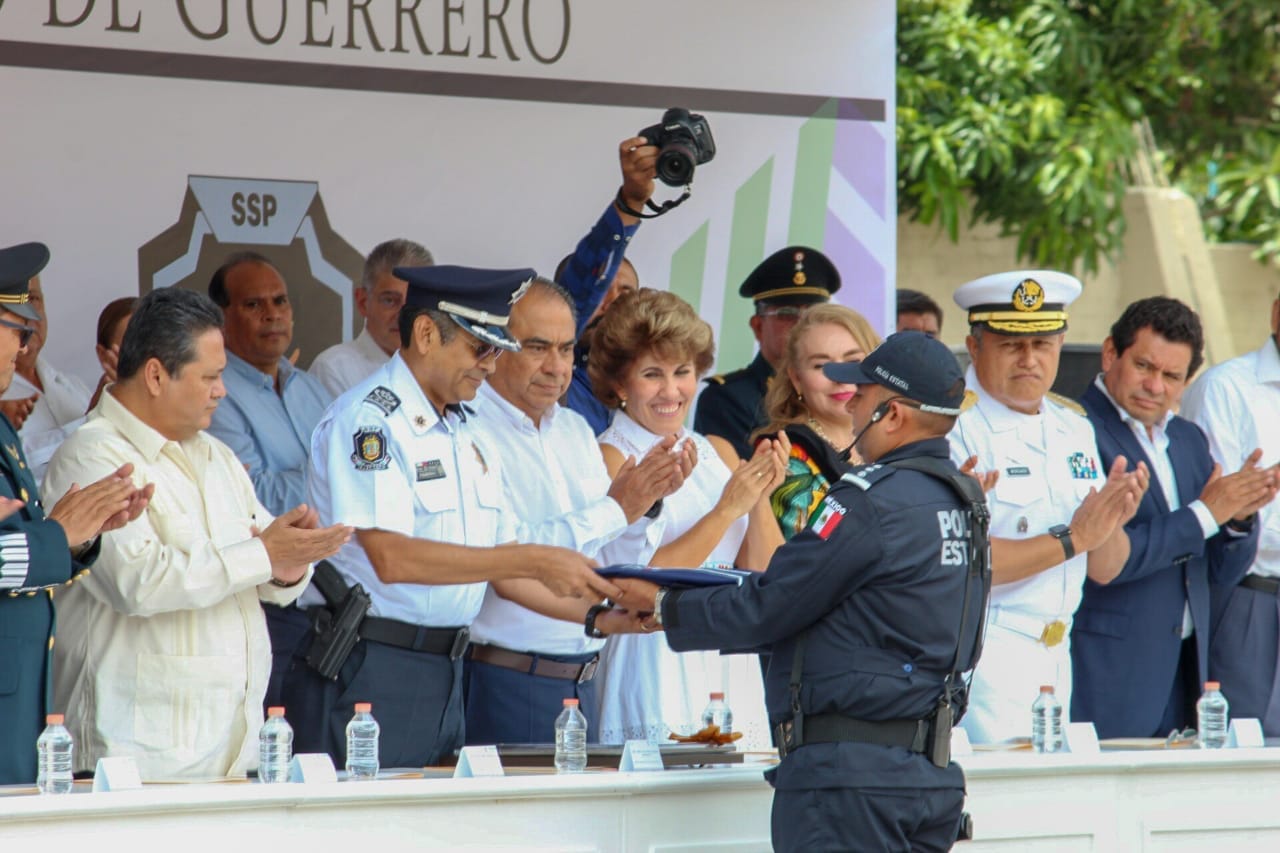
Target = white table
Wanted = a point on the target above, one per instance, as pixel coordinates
(1166, 800)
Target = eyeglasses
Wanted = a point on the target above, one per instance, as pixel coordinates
(24, 332)
(483, 350)
(784, 312)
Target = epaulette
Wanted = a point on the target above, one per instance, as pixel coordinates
(1068, 403)
(384, 399)
(717, 379)
(866, 476)
(970, 400)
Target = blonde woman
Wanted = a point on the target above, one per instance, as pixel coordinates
(811, 409)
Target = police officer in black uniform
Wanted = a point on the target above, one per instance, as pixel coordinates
(871, 614)
(39, 554)
(782, 287)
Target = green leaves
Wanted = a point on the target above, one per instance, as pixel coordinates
(1022, 114)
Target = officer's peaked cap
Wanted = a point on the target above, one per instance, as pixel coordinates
(18, 265)
(1022, 302)
(478, 300)
(796, 275)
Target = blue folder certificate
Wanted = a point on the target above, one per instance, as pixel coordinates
(677, 578)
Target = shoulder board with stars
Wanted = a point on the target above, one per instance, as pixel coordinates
(970, 400)
(384, 399)
(866, 476)
(1068, 403)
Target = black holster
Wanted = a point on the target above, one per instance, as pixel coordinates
(335, 628)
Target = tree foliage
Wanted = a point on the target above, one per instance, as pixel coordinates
(1023, 114)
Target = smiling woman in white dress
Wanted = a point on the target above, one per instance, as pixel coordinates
(647, 355)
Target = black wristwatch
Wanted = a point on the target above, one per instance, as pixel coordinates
(589, 624)
(1063, 534)
(1245, 526)
(655, 510)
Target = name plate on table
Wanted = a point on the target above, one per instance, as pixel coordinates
(478, 761)
(1245, 732)
(312, 767)
(116, 774)
(640, 756)
(1081, 739)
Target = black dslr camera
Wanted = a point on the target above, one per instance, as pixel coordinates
(684, 141)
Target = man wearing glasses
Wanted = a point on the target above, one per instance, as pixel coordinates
(782, 287)
(399, 458)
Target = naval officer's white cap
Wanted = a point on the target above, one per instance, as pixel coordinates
(1021, 302)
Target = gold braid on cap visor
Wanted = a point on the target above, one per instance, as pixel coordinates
(1020, 321)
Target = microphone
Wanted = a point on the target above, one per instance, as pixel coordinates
(880, 411)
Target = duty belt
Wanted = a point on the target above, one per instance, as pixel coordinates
(837, 728)
(534, 664)
(418, 638)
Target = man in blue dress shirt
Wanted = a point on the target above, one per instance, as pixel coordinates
(269, 412)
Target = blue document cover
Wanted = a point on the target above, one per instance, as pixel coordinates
(677, 578)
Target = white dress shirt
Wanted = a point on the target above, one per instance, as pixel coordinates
(59, 409)
(162, 651)
(1237, 404)
(555, 480)
(342, 365)
(1047, 463)
(383, 458)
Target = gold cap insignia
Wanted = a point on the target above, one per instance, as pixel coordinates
(1028, 295)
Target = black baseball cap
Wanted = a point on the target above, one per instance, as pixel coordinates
(913, 364)
(18, 265)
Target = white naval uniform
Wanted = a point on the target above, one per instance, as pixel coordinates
(381, 457)
(1047, 464)
(343, 365)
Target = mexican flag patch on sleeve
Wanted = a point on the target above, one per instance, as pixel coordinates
(828, 518)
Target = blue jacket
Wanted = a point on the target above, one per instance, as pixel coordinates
(1127, 635)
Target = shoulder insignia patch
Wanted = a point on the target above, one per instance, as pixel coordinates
(970, 400)
(383, 398)
(866, 476)
(1068, 403)
(828, 517)
(370, 449)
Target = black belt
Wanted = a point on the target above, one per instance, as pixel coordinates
(837, 728)
(417, 638)
(1260, 583)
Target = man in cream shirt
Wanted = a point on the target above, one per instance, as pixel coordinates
(163, 654)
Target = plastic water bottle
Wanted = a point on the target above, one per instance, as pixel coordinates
(717, 713)
(275, 747)
(571, 739)
(54, 751)
(362, 744)
(1211, 717)
(1046, 721)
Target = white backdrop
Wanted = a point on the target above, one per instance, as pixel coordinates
(487, 160)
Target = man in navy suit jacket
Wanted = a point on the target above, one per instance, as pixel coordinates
(1140, 645)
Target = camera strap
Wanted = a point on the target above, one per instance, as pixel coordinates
(658, 209)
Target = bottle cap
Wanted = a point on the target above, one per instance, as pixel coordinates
(53, 720)
(571, 703)
(1046, 688)
(364, 707)
(717, 696)
(275, 711)
(1212, 685)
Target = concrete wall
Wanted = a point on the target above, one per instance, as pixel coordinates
(1164, 253)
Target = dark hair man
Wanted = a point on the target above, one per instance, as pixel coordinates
(917, 311)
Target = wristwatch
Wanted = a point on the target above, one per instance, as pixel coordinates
(1062, 533)
(655, 510)
(657, 605)
(589, 624)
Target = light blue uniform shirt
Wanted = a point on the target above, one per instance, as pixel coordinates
(269, 432)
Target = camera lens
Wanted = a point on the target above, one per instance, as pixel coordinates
(675, 165)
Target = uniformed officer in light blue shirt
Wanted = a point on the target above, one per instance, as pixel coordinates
(398, 458)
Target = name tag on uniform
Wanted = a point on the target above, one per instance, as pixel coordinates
(1018, 471)
(433, 470)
